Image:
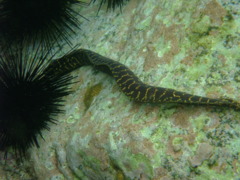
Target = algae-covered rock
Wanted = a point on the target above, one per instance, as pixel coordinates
(191, 46)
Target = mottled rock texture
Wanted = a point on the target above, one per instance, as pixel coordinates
(191, 46)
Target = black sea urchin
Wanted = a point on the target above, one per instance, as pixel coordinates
(29, 98)
(112, 4)
(38, 21)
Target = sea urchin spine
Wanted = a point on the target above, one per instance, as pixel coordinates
(111, 4)
(38, 21)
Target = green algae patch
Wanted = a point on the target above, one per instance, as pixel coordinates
(129, 163)
(140, 160)
(201, 25)
(200, 122)
(57, 177)
(89, 164)
(146, 132)
(177, 143)
(207, 173)
(199, 69)
(199, 33)
(49, 165)
(71, 120)
(162, 46)
(203, 34)
(144, 24)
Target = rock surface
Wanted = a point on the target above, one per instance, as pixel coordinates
(191, 46)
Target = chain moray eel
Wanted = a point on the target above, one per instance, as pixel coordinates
(129, 83)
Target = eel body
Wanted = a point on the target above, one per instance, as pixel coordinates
(129, 83)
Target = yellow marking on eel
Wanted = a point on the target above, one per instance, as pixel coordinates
(129, 86)
(125, 75)
(154, 94)
(145, 96)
